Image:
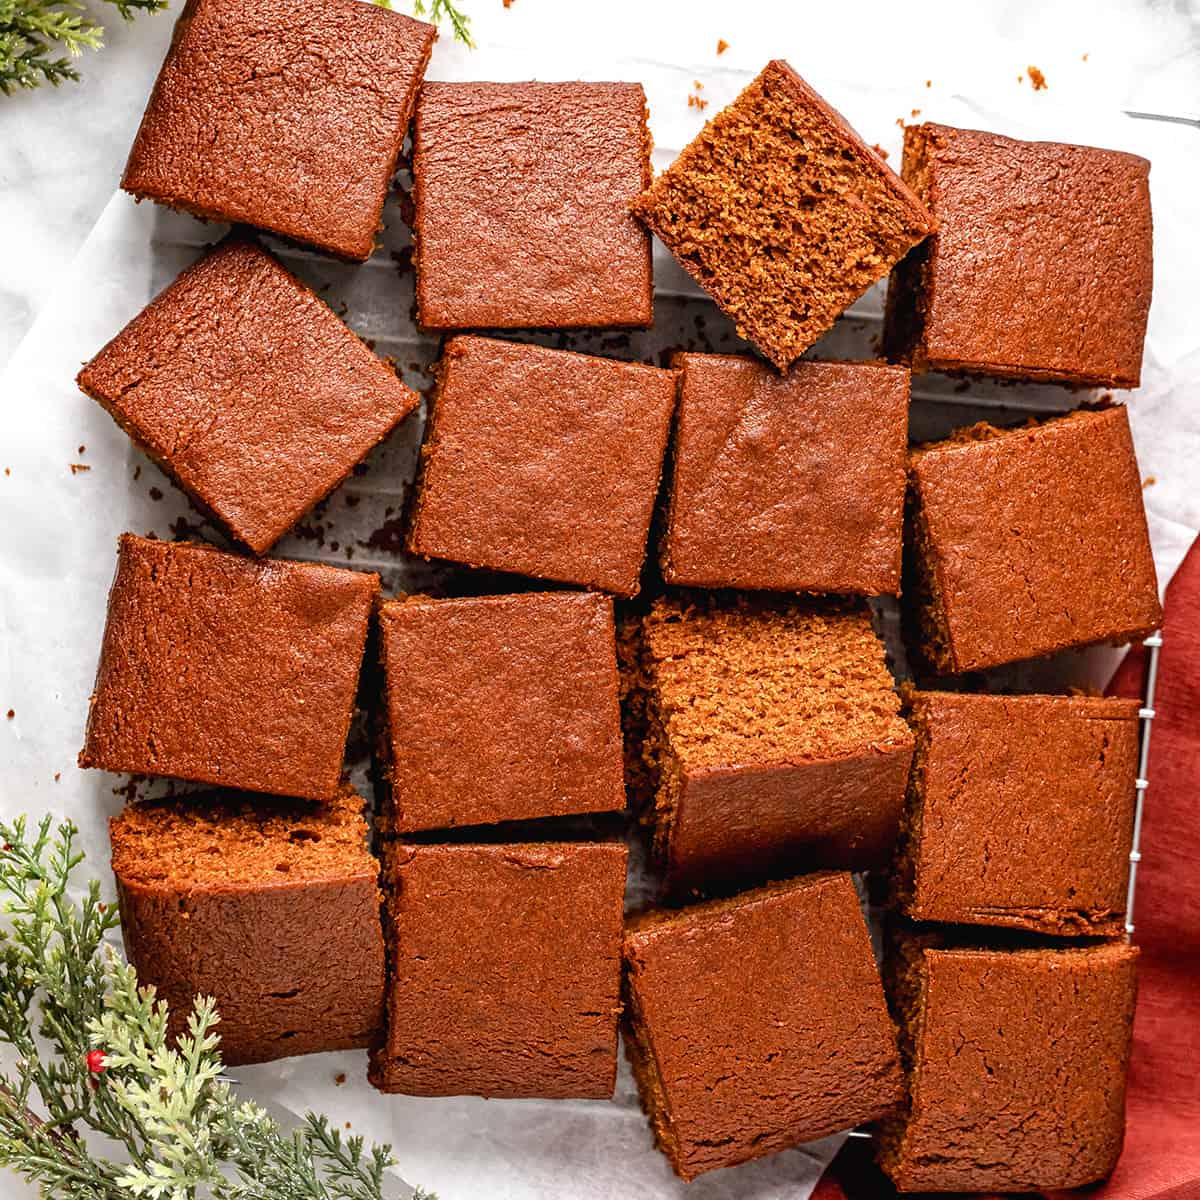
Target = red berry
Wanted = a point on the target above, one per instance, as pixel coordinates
(95, 1061)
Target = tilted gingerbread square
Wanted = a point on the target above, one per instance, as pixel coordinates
(244, 386)
(499, 708)
(505, 969)
(1041, 265)
(542, 462)
(285, 114)
(227, 670)
(782, 213)
(1016, 1064)
(521, 194)
(1020, 811)
(1026, 541)
(764, 738)
(756, 1023)
(793, 484)
(269, 906)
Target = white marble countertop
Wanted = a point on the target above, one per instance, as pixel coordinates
(62, 150)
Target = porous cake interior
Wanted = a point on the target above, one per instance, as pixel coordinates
(750, 681)
(780, 213)
(214, 839)
(904, 865)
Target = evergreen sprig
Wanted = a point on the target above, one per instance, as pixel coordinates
(93, 1053)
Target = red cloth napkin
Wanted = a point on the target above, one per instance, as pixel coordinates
(1161, 1160)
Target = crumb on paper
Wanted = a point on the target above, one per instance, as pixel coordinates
(1020, 78)
(1037, 79)
(508, 3)
(57, 776)
(697, 102)
(880, 150)
(10, 714)
(156, 493)
(1149, 481)
(916, 112)
(900, 122)
(8, 470)
(340, 1077)
(347, 1124)
(1085, 58)
(697, 85)
(929, 83)
(137, 472)
(722, 45)
(77, 467)
(82, 450)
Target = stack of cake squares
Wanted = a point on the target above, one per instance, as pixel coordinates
(663, 630)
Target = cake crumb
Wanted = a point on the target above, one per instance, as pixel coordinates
(57, 776)
(156, 493)
(508, 3)
(1037, 79)
(929, 83)
(722, 45)
(697, 102)
(82, 450)
(916, 112)
(347, 1124)
(137, 472)
(1085, 58)
(340, 1077)
(77, 467)
(900, 122)
(8, 470)
(1149, 481)
(10, 714)
(880, 150)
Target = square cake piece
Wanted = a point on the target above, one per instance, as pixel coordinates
(792, 484)
(1026, 541)
(285, 114)
(247, 389)
(764, 738)
(759, 1022)
(498, 708)
(1041, 266)
(522, 194)
(1020, 811)
(228, 670)
(1016, 1066)
(269, 906)
(542, 462)
(506, 969)
(782, 213)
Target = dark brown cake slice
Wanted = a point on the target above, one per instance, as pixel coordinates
(1016, 1063)
(758, 1022)
(1020, 811)
(499, 708)
(505, 969)
(285, 114)
(782, 213)
(244, 386)
(792, 484)
(1026, 541)
(521, 195)
(542, 462)
(228, 670)
(764, 739)
(1041, 266)
(269, 906)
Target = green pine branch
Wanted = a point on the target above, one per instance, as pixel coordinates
(93, 1054)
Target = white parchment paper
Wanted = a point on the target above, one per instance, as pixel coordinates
(70, 483)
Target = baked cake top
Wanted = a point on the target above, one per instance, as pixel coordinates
(542, 462)
(228, 670)
(1036, 537)
(759, 1022)
(782, 213)
(248, 389)
(500, 708)
(1041, 266)
(521, 193)
(788, 484)
(285, 114)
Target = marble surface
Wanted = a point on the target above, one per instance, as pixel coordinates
(62, 150)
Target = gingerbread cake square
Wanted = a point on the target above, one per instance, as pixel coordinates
(222, 895)
(1020, 811)
(758, 1022)
(782, 213)
(285, 114)
(1026, 541)
(764, 738)
(792, 484)
(542, 462)
(499, 708)
(1041, 266)
(522, 194)
(227, 670)
(248, 390)
(505, 969)
(1016, 1064)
